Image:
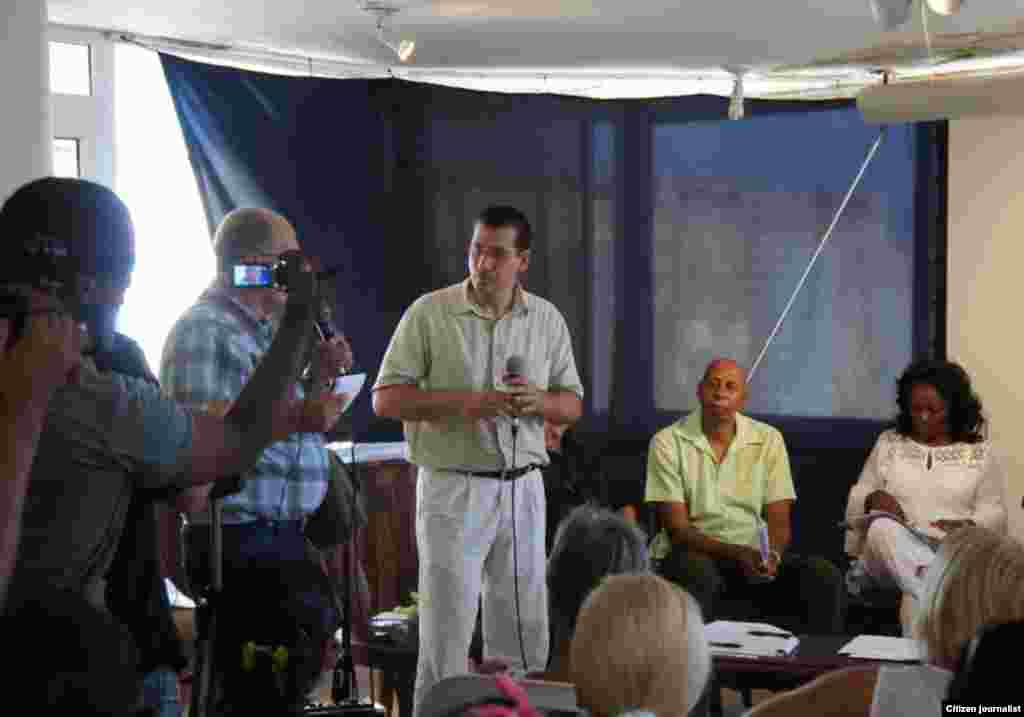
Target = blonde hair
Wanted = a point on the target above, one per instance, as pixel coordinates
(977, 578)
(639, 645)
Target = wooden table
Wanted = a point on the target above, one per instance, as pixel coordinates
(387, 546)
(387, 550)
(814, 656)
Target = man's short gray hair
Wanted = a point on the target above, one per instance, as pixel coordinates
(248, 231)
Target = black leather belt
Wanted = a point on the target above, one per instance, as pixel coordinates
(501, 475)
(258, 525)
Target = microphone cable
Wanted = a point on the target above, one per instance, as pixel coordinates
(515, 551)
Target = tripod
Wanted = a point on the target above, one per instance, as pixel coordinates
(281, 663)
(206, 611)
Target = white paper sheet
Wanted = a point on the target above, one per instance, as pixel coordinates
(177, 598)
(878, 647)
(749, 639)
(351, 384)
(370, 452)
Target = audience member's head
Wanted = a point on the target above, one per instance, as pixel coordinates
(252, 232)
(722, 390)
(981, 675)
(589, 544)
(81, 237)
(977, 578)
(935, 398)
(639, 645)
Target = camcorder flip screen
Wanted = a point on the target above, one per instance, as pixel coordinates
(253, 276)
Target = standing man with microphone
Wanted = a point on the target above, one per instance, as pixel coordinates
(467, 365)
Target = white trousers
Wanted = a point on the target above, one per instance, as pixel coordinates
(894, 557)
(464, 529)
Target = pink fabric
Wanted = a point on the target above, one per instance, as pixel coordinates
(509, 688)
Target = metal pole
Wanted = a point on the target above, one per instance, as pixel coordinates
(814, 257)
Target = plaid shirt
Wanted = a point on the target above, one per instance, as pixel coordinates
(208, 356)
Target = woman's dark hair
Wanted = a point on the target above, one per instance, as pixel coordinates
(590, 544)
(963, 407)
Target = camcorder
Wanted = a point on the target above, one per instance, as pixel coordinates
(265, 276)
(45, 265)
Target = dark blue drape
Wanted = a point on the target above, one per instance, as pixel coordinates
(664, 234)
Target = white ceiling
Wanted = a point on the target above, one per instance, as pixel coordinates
(605, 35)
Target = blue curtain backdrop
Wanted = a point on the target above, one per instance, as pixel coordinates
(665, 234)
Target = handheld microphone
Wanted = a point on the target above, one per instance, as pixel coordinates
(325, 328)
(514, 369)
(325, 321)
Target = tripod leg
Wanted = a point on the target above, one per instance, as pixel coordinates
(201, 694)
(203, 697)
(344, 687)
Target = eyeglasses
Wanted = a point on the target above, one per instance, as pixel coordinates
(498, 253)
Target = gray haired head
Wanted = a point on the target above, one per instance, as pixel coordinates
(590, 544)
(249, 231)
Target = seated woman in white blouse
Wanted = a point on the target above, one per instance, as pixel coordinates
(935, 470)
(976, 579)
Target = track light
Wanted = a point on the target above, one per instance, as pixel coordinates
(890, 14)
(405, 49)
(402, 47)
(945, 7)
(736, 108)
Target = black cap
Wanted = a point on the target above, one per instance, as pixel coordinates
(91, 221)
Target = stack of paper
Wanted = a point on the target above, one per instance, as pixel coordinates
(749, 639)
(876, 647)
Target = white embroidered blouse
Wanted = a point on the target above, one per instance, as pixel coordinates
(960, 481)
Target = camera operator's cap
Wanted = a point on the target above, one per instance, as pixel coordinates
(92, 222)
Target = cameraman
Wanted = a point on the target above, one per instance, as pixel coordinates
(106, 436)
(207, 358)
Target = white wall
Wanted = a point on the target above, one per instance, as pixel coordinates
(25, 144)
(89, 119)
(986, 279)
